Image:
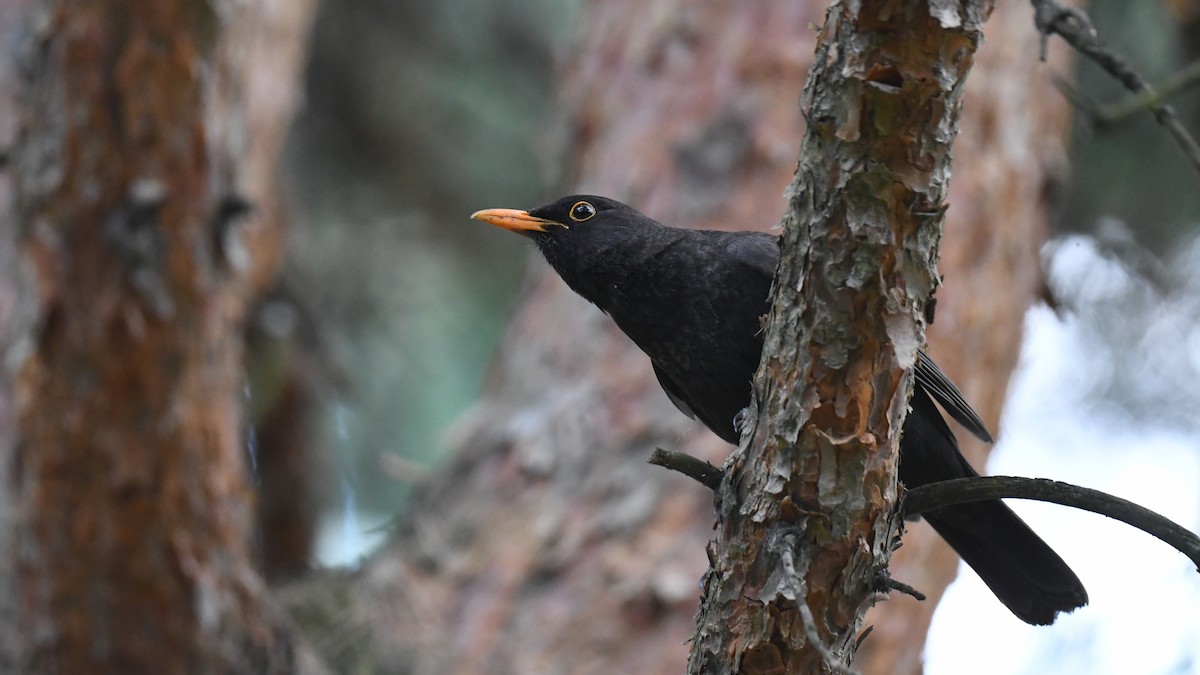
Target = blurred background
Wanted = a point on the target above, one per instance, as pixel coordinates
(415, 116)
(394, 302)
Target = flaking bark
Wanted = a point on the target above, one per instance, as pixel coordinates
(807, 511)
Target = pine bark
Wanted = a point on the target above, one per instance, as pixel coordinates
(806, 517)
(146, 219)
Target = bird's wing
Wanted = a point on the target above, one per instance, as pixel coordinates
(760, 252)
(757, 250)
(945, 393)
(672, 391)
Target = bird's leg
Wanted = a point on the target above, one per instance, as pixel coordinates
(740, 419)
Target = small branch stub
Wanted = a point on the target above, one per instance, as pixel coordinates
(697, 469)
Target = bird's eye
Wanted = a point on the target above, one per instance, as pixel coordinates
(582, 211)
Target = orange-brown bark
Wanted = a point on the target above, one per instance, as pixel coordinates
(135, 511)
(807, 509)
(1008, 159)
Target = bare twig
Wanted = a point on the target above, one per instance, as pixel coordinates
(863, 636)
(885, 583)
(1103, 116)
(696, 469)
(982, 488)
(796, 582)
(810, 632)
(1177, 82)
(1074, 26)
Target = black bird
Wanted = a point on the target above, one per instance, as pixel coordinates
(692, 301)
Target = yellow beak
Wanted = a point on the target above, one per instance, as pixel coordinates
(514, 220)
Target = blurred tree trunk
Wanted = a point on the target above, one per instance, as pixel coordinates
(146, 219)
(546, 544)
(287, 368)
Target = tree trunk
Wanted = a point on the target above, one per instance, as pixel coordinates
(546, 544)
(1009, 160)
(148, 219)
(807, 508)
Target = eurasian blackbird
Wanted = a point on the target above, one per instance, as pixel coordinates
(692, 300)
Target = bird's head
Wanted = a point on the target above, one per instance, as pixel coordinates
(590, 241)
(574, 217)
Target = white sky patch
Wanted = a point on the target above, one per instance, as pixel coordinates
(1144, 614)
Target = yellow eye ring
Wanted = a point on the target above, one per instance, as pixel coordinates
(582, 211)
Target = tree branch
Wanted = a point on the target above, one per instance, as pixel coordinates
(697, 469)
(1176, 83)
(885, 583)
(983, 488)
(1074, 26)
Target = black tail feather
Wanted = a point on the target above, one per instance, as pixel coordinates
(1021, 569)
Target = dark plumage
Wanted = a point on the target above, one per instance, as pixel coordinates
(692, 300)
